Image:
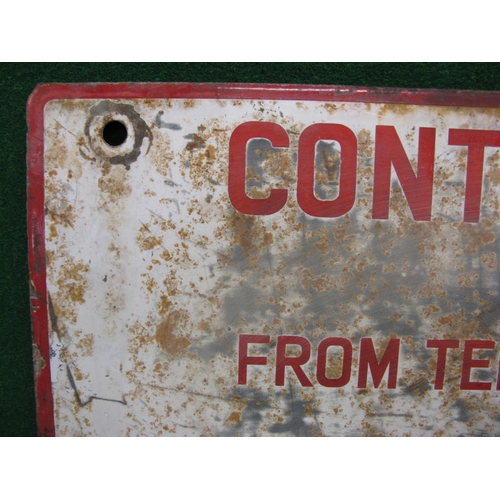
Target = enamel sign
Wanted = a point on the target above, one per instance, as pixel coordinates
(245, 260)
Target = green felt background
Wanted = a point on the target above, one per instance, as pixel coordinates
(17, 400)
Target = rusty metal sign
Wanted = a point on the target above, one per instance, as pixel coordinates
(244, 260)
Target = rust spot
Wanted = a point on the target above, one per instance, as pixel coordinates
(38, 361)
(477, 236)
(245, 232)
(56, 153)
(468, 279)
(72, 284)
(146, 240)
(321, 283)
(85, 345)
(431, 289)
(439, 433)
(490, 260)
(171, 283)
(113, 183)
(494, 176)
(330, 107)
(73, 280)
(161, 155)
(210, 152)
(249, 233)
(397, 109)
(166, 255)
(164, 305)
(327, 163)
(429, 311)
(204, 325)
(170, 342)
(365, 143)
(334, 366)
(196, 143)
(200, 155)
(458, 325)
(77, 374)
(268, 239)
(52, 232)
(234, 418)
(150, 283)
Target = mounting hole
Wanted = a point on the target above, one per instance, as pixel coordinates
(114, 133)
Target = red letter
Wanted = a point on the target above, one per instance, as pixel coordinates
(469, 363)
(417, 188)
(442, 346)
(282, 360)
(348, 162)
(244, 360)
(367, 356)
(346, 363)
(476, 140)
(237, 166)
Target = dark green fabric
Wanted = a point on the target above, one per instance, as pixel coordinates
(17, 400)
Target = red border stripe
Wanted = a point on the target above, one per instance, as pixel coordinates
(45, 93)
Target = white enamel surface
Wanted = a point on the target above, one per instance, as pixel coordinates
(160, 244)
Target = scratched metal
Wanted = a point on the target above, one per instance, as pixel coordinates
(152, 275)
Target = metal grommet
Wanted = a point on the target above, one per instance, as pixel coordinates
(116, 132)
